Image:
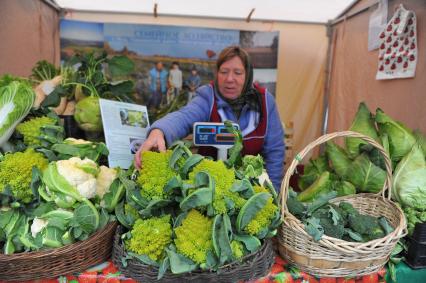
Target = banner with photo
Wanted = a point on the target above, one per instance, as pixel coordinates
(170, 61)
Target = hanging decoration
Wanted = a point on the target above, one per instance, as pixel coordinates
(398, 48)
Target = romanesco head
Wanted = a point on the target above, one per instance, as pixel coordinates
(264, 217)
(31, 129)
(155, 174)
(150, 237)
(224, 179)
(16, 171)
(194, 236)
(237, 249)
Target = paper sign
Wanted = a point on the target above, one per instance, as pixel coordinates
(125, 128)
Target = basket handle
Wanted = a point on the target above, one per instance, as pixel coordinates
(286, 181)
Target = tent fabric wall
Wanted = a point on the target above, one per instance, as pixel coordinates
(301, 59)
(29, 32)
(354, 68)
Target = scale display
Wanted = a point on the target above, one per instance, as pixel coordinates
(213, 134)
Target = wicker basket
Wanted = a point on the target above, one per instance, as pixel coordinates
(254, 265)
(331, 257)
(52, 263)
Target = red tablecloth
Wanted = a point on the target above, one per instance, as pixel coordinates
(281, 272)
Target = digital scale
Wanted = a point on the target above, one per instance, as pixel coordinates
(216, 135)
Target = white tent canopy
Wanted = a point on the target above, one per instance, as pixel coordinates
(313, 11)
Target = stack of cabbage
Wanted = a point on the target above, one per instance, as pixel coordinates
(189, 212)
(360, 168)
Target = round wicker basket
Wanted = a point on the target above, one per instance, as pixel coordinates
(331, 257)
(252, 266)
(52, 263)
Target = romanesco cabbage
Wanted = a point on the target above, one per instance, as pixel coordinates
(237, 249)
(16, 171)
(264, 217)
(31, 129)
(150, 237)
(224, 179)
(194, 236)
(155, 174)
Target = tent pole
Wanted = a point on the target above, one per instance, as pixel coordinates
(331, 34)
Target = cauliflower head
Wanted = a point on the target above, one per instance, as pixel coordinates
(224, 179)
(80, 174)
(194, 236)
(37, 225)
(155, 174)
(16, 171)
(150, 237)
(31, 129)
(104, 180)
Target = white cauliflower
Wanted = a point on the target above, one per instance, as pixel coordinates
(76, 141)
(37, 226)
(80, 174)
(105, 178)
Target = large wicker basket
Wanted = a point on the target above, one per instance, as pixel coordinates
(253, 266)
(52, 263)
(333, 257)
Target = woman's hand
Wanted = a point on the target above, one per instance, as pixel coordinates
(154, 141)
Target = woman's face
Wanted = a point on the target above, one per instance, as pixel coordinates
(231, 77)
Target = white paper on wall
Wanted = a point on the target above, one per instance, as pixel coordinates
(398, 47)
(377, 23)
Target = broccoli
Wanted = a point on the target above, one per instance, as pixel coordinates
(366, 225)
(347, 209)
(331, 221)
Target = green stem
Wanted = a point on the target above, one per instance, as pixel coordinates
(93, 91)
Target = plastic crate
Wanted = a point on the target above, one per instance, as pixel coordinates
(416, 255)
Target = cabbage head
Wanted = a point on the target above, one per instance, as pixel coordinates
(338, 158)
(409, 179)
(364, 124)
(16, 100)
(401, 139)
(312, 171)
(88, 114)
(365, 175)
